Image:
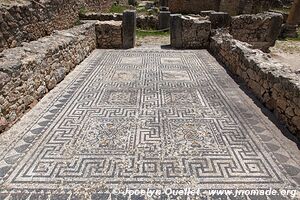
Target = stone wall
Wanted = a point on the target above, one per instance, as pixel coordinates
(195, 33)
(237, 7)
(189, 32)
(274, 84)
(101, 16)
(142, 21)
(192, 6)
(260, 30)
(233, 7)
(109, 34)
(28, 21)
(97, 5)
(217, 19)
(27, 73)
(147, 22)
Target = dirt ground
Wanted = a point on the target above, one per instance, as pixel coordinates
(153, 40)
(287, 52)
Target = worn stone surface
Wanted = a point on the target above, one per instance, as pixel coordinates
(27, 73)
(109, 34)
(260, 30)
(276, 85)
(145, 118)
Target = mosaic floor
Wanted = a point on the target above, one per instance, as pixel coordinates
(145, 119)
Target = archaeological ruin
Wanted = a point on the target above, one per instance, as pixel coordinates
(156, 99)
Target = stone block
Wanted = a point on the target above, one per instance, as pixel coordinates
(176, 30)
(164, 19)
(129, 29)
(109, 34)
(219, 20)
(206, 13)
(132, 2)
(193, 6)
(195, 33)
(163, 2)
(260, 30)
(288, 30)
(4, 78)
(233, 7)
(147, 22)
(101, 16)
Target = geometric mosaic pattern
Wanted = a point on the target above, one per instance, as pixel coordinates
(143, 118)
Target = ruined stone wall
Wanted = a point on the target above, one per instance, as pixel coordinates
(195, 33)
(29, 21)
(109, 34)
(260, 30)
(142, 22)
(236, 7)
(27, 73)
(147, 22)
(97, 5)
(233, 7)
(275, 85)
(192, 6)
(100, 5)
(189, 32)
(101, 16)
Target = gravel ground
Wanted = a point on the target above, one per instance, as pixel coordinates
(287, 52)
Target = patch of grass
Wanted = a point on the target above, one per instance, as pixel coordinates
(141, 10)
(144, 11)
(82, 11)
(283, 10)
(297, 39)
(144, 33)
(294, 39)
(154, 11)
(117, 9)
(78, 22)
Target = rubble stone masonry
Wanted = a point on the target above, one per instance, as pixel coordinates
(260, 30)
(27, 73)
(109, 34)
(274, 84)
(30, 20)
